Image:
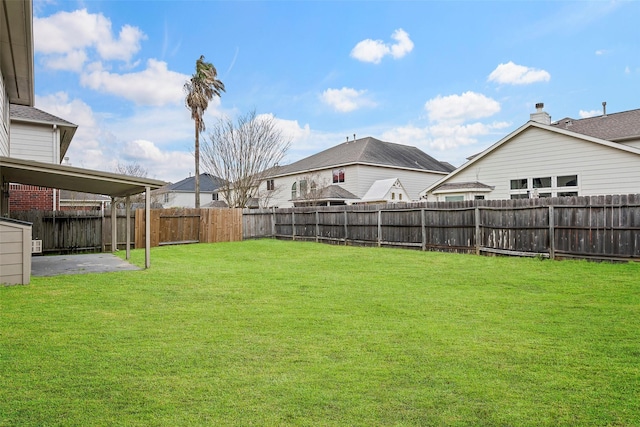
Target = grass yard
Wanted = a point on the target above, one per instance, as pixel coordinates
(270, 333)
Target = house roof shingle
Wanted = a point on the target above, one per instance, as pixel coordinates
(611, 127)
(33, 114)
(367, 151)
(208, 183)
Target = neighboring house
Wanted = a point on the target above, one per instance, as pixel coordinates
(571, 157)
(42, 137)
(182, 194)
(78, 201)
(344, 174)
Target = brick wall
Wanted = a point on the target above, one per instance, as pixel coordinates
(27, 197)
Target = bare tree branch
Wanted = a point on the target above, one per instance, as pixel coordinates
(243, 153)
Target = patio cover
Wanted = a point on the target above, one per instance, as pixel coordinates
(85, 180)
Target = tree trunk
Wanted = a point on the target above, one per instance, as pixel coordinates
(197, 156)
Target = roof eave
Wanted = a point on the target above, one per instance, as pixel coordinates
(16, 51)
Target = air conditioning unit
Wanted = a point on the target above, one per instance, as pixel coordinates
(36, 246)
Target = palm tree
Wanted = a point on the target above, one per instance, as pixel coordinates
(201, 89)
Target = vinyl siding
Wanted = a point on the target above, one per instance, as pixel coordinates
(185, 200)
(34, 142)
(15, 254)
(358, 180)
(540, 153)
(412, 181)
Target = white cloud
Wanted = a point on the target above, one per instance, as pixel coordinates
(514, 74)
(369, 50)
(461, 108)
(454, 123)
(155, 85)
(70, 61)
(601, 52)
(587, 114)
(66, 34)
(346, 99)
(627, 70)
(442, 136)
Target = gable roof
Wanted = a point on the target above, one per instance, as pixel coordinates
(208, 183)
(612, 127)
(26, 114)
(457, 186)
(521, 129)
(368, 151)
(330, 192)
(380, 188)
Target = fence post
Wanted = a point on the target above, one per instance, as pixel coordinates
(114, 226)
(346, 228)
(423, 226)
(552, 238)
(317, 226)
(477, 217)
(293, 225)
(273, 222)
(379, 227)
(128, 226)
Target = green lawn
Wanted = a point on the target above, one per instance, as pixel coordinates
(268, 333)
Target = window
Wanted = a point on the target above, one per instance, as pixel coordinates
(518, 184)
(478, 197)
(548, 186)
(165, 198)
(399, 196)
(294, 190)
(393, 196)
(214, 196)
(338, 175)
(542, 182)
(303, 188)
(270, 185)
(568, 181)
(454, 198)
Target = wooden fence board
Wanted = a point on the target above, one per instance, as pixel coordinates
(599, 227)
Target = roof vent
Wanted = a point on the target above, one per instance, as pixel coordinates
(604, 108)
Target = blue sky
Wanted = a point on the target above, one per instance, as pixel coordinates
(448, 77)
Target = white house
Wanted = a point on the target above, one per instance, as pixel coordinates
(345, 173)
(182, 194)
(571, 157)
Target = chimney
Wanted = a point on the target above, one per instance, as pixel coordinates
(540, 116)
(604, 108)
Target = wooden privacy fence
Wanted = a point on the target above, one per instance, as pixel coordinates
(598, 227)
(74, 231)
(180, 226)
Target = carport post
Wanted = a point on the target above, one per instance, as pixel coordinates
(147, 227)
(128, 227)
(114, 230)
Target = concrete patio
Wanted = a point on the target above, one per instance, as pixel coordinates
(56, 265)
